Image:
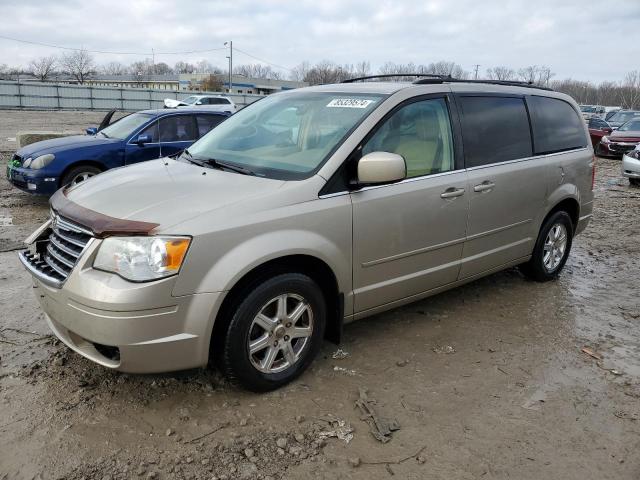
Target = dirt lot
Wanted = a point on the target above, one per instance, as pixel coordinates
(486, 381)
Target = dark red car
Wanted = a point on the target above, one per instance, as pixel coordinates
(621, 141)
(598, 128)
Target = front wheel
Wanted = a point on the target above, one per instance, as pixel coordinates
(551, 249)
(275, 332)
(634, 182)
(79, 174)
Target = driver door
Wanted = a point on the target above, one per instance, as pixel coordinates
(137, 152)
(408, 236)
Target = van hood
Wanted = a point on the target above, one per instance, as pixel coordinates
(166, 191)
(59, 145)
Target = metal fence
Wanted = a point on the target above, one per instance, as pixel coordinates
(51, 96)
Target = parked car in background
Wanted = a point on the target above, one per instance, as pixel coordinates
(621, 117)
(631, 166)
(598, 128)
(218, 103)
(610, 112)
(44, 167)
(305, 210)
(621, 141)
(590, 111)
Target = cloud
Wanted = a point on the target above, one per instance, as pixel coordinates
(573, 37)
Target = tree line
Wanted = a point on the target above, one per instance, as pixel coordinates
(81, 65)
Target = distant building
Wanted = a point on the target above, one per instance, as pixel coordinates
(193, 82)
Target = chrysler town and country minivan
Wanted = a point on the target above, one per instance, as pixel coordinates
(306, 210)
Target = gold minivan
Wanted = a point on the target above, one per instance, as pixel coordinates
(306, 210)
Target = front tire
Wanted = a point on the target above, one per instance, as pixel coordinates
(79, 174)
(552, 248)
(634, 182)
(275, 332)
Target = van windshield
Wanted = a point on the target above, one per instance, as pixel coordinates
(286, 136)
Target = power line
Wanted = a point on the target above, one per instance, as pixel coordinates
(50, 45)
(263, 61)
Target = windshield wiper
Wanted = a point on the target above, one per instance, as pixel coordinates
(190, 158)
(229, 166)
(104, 134)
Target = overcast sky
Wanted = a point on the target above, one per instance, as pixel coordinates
(582, 39)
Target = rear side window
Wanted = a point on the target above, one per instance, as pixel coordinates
(177, 128)
(494, 129)
(556, 125)
(218, 101)
(207, 122)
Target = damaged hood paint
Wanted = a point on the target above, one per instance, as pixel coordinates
(166, 191)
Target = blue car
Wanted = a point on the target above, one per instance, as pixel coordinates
(44, 167)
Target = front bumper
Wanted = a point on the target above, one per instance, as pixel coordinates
(614, 149)
(630, 167)
(126, 326)
(32, 181)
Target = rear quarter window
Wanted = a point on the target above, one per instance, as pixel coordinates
(557, 127)
(494, 129)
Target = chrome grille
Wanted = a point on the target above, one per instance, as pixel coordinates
(52, 258)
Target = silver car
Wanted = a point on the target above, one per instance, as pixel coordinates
(307, 210)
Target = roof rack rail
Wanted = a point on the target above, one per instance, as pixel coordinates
(509, 83)
(436, 78)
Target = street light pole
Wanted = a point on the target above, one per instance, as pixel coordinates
(230, 42)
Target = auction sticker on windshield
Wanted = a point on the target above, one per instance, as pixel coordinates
(349, 103)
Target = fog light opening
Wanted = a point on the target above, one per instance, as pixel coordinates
(112, 353)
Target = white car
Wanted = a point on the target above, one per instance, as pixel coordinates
(631, 166)
(218, 103)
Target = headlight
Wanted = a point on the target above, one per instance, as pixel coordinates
(634, 154)
(605, 139)
(141, 259)
(40, 162)
(27, 162)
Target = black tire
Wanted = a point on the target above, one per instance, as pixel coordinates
(235, 360)
(535, 268)
(634, 182)
(77, 171)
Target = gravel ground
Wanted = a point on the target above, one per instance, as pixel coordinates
(486, 381)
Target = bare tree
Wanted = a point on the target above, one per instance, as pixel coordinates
(501, 73)
(184, 67)
(78, 63)
(204, 66)
(114, 68)
(299, 72)
(257, 70)
(162, 69)
(363, 69)
(450, 69)
(328, 72)
(213, 83)
(630, 91)
(43, 67)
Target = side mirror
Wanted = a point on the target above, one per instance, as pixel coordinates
(91, 130)
(142, 139)
(607, 129)
(381, 167)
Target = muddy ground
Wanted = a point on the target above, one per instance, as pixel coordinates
(486, 381)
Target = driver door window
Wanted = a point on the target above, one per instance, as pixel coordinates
(421, 133)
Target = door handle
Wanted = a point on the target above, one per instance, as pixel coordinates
(452, 192)
(484, 186)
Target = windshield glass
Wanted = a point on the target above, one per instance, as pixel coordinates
(587, 109)
(631, 126)
(622, 117)
(125, 126)
(288, 135)
(190, 100)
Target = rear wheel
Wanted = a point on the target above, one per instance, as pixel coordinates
(79, 174)
(551, 249)
(635, 182)
(275, 332)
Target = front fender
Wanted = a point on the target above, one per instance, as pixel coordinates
(255, 251)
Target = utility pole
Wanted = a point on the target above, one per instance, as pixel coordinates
(477, 67)
(230, 42)
(153, 61)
